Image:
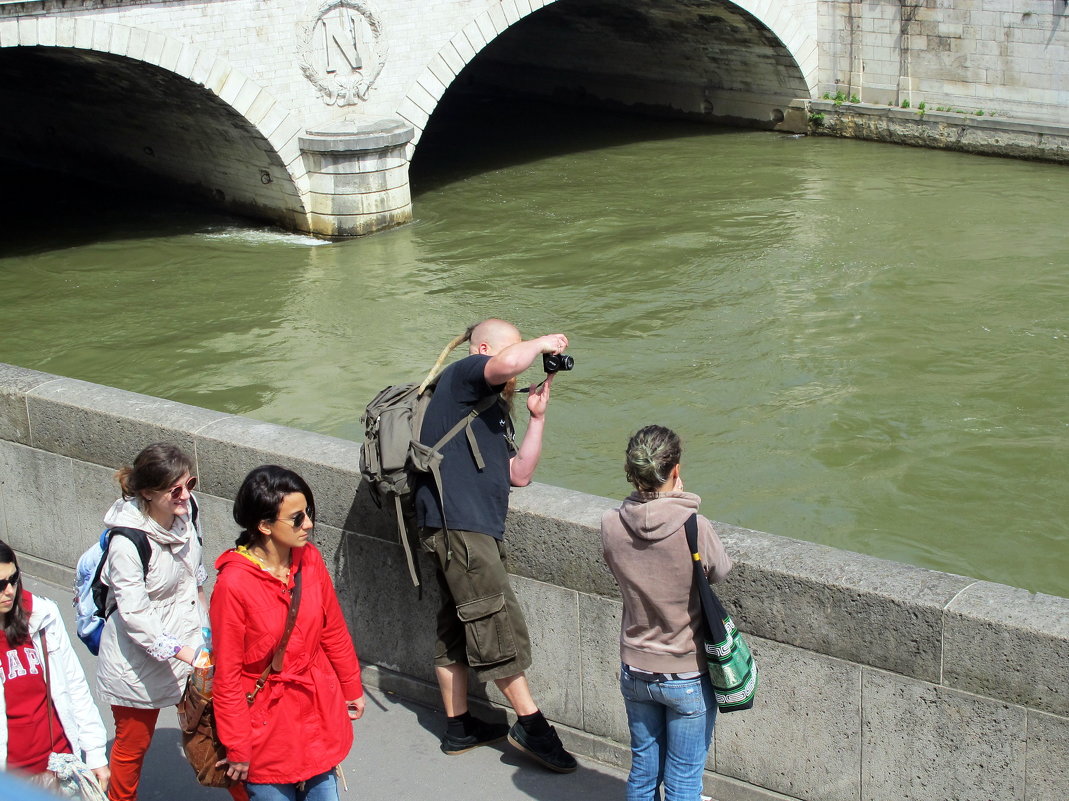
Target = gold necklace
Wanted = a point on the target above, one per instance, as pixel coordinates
(262, 561)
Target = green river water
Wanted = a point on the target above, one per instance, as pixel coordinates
(862, 345)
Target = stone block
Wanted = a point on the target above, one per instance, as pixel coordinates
(95, 490)
(232, 446)
(359, 182)
(187, 59)
(599, 644)
(1009, 644)
(120, 39)
(842, 604)
(355, 162)
(803, 736)
(15, 382)
(453, 61)
(83, 33)
(108, 426)
(218, 528)
(135, 49)
(552, 616)
(392, 625)
(217, 75)
(232, 87)
(155, 47)
(28, 32)
(1048, 758)
(554, 535)
(367, 203)
(38, 494)
(922, 741)
(172, 50)
(102, 36)
(9, 32)
(513, 12)
(337, 225)
(246, 97)
(462, 45)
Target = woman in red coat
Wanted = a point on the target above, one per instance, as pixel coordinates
(288, 742)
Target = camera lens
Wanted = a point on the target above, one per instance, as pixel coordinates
(553, 363)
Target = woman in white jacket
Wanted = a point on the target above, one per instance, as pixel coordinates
(150, 641)
(27, 737)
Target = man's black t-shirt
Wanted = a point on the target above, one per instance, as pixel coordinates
(474, 500)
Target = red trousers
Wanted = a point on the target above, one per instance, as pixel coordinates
(133, 735)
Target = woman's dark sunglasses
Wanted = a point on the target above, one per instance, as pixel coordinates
(10, 581)
(298, 519)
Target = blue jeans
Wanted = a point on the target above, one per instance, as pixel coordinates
(671, 725)
(323, 787)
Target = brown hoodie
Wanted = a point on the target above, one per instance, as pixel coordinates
(646, 549)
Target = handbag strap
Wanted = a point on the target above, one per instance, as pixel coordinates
(276, 661)
(48, 687)
(712, 610)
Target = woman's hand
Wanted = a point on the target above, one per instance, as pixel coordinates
(238, 771)
(186, 654)
(355, 707)
(103, 776)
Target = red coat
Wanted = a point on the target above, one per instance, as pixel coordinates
(298, 726)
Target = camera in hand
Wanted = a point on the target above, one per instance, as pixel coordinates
(557, 362)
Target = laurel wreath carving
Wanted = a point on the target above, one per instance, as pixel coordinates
(347, 90)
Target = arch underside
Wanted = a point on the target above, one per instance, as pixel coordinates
(700, 59)
(112, 118)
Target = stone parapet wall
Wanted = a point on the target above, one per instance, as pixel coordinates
(879, 680)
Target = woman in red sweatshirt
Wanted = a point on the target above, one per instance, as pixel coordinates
(288, 742)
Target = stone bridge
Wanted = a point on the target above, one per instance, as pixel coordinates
(307, 114)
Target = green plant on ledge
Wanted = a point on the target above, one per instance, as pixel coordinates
(839, 98)
(905, 103)
(816, 120)
(855, 99)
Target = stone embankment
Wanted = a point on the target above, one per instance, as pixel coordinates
(963, 130)
(879, 681)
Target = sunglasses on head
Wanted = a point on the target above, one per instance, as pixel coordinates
(298, 519)
(176, 491)
(10, 581)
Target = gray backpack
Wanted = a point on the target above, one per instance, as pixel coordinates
(392, 452)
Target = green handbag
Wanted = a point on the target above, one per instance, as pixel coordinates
(731, 666)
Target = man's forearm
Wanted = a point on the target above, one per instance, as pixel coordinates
(525, 462)
(512, 361)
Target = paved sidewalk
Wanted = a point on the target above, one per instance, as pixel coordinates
(395, 756)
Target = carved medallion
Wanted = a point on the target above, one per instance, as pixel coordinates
(342, 51)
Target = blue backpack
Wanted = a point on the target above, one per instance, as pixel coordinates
(91, 594)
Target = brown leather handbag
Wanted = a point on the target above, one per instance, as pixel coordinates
(196, 714)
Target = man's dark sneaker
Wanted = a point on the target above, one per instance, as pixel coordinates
(545, 748)
(479, 733)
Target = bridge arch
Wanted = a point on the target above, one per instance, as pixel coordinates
(783, 48)
(142, 100)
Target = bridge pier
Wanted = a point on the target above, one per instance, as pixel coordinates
(357, 176)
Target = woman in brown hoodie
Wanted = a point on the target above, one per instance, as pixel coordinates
(670, 705)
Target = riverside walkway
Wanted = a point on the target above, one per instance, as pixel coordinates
(395, 755)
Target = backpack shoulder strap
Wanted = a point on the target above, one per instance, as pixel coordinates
(464, 423)
(140, 540)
